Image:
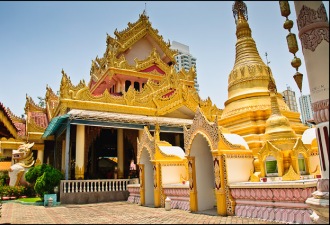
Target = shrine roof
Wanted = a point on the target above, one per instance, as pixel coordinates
(6, 122)
(109, 119)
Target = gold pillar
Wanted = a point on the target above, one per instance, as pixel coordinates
(80, 152)
(40, 156)
(140, 134)
(120, 152)
(219, 186)
(156, 168)
(192, 184)
(142, 186)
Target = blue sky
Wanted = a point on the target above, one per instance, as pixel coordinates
(39, 39)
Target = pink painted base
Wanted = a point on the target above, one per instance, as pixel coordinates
(274, 204)
(180, 197)
(134, 195)
(300, 216)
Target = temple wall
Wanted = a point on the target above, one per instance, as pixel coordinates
(239, 169)
(171, 174)
(140, 50)
(314, 161)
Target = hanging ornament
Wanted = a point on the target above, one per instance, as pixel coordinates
(292, 42)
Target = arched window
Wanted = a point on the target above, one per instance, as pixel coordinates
(127, 84)
(271, 166)
(137, 86)
(301, 163)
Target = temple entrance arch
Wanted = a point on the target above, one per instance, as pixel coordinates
(204, 173)
(145, 158)
(148, 177)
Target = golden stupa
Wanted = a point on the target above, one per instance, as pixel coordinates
(248, 106)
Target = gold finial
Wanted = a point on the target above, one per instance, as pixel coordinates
(271, 85)
(240, 11)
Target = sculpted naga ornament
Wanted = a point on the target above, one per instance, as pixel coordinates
(23, 159)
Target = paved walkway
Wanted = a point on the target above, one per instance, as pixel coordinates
(109, 213)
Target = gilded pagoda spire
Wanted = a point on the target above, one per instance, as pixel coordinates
(249, 77)
(246, 50)
(277, 125)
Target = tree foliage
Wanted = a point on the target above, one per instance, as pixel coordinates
(45, 178)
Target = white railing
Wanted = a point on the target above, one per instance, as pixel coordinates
(75, 186)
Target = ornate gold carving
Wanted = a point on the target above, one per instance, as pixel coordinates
(291, 175)
(202, 126)
(147, 142)
(190, 173)
(254, 177)
(79, 172)
(252, 108)
(216, 162)
(38, 162)
(52, 101)
(33, 127)
(8, 123)
(31, 106)
(134, 32)
(230, 203)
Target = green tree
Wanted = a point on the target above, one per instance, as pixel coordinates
(45, 178)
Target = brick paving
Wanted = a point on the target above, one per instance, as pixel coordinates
(110, 213)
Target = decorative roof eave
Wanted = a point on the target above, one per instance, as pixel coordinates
(52, 101)
(76, 114)
(112, 71)
(147, 142)
(7, 121)
(100, 67)
(15, 118)
(269, 149)
(135, 31)
(31, 106)
(10, 143)
(33, 127)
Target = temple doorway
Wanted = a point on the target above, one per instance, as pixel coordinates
(204, 173)
(148, 178)
(102, 156)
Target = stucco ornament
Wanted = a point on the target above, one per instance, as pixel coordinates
(24, 161)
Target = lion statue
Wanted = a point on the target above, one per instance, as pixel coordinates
(23, 159)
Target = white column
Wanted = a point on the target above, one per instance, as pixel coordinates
(118, 86)
(80, 152)
(315, 48)
(120, 152)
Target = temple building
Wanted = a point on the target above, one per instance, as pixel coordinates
(138, 119)
(95, 126)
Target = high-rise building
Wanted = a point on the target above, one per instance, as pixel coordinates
(305, 103)
(289, 97)
(184, 59)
